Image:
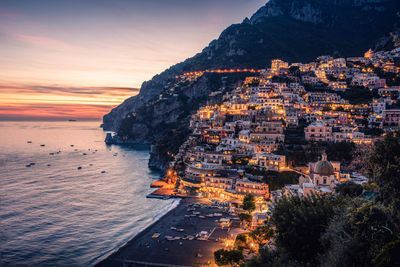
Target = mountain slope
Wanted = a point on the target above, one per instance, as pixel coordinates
(293, 30)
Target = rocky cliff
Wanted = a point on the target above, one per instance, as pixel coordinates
(293, 30)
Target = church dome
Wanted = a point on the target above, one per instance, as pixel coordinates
(324, 167)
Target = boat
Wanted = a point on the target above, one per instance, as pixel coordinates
(156, 235)
(169, 238)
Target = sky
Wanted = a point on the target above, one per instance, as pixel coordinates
(80, 58)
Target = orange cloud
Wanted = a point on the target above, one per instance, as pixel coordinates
(53, 111)
(39, 101)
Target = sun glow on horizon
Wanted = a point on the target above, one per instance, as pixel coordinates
(62, 102)
(77, 53)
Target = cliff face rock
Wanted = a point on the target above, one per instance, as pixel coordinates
(293, 30)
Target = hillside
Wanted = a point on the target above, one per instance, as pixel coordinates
(293, 30)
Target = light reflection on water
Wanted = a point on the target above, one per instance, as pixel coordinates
(59, 215)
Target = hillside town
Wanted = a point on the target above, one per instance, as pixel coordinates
(249, 134)
(288, 104)
(284, 132)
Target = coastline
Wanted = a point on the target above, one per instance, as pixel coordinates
(145, 250)
(156, 219)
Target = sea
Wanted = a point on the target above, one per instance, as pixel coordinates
(67, 198)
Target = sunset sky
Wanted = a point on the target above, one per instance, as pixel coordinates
(80, 58)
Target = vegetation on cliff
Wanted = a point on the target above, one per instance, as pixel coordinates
(348, 229)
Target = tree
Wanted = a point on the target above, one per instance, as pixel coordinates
(385, 171)
(245, 218)
(262, 234)
(249, 203)
(300, 223)
(349, 189)
(385, 167)
(357, 234)
(342, 151)
(241, 241)
(228, 257)
(389, 256)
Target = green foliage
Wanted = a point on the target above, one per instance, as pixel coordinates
(241, 241)
(300, 223)
(357, 234)
(370, 187)
(272, 258)
(358, 95)
(244, 217)
(275, 180)
(262, 234)
(342, 151)
(385, 167)
(228, 257)
(349, 189)
(249, 203)
(389, 255)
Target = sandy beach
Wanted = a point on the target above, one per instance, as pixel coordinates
(145, 250)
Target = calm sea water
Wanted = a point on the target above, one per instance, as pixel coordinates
(54, 214)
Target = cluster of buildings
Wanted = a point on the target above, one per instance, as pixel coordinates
(246, 130)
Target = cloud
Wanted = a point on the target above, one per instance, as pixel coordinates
(42, 101)
(42, 41)
(67, 90)
(53, 111)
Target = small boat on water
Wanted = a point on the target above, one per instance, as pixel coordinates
(169, 238)
(29, 142)
(156, 235)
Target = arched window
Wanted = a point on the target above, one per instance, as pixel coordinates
(324, 180)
